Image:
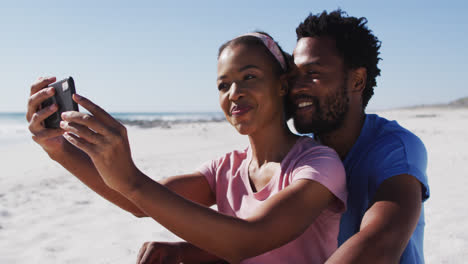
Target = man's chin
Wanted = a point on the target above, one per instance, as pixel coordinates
(304, 127)
(317, 127)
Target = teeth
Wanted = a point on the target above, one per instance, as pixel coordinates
(304, 104)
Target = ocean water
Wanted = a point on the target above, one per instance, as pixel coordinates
(14, 127)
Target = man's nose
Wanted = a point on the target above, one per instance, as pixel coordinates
(298, 86)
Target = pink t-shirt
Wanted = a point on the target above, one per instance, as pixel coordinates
(229, 180)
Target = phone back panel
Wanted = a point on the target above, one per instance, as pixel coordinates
(64, 90)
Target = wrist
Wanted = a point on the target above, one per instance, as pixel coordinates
(132, 185)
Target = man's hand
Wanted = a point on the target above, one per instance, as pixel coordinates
(159, 253)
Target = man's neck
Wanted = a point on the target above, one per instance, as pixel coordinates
(343, 138)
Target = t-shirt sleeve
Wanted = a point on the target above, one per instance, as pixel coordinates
(323, 165)
(208, 169)
(402, 153)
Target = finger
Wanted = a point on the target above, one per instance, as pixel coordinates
(141, 252)
(37, 118)
(80, 143)
(81, 131)
(41, 83)
(36, 99)
(85, 120)
(151, 254)
(97, 111)
(46, 134)
(147, 258)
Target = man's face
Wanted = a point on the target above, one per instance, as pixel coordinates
(319, 100)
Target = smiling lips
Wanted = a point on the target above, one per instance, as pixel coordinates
(304, 105)
(239, 110)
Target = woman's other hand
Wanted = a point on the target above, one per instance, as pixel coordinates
(159, 253)
(50, 139)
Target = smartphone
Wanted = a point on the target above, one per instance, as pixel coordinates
(64, 90)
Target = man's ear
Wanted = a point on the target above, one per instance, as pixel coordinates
(358, 79)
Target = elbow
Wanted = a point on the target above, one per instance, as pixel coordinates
(243, 251)
(139, 214)
(233, 255)
(235, 258)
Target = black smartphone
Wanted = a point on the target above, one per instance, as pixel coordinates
(64, 90)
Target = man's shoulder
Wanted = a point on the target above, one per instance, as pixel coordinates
(386, 133)
(384, 146)
(395, 150)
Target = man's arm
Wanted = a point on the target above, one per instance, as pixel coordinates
(386, 226)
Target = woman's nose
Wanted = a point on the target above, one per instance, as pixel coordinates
(235, 91)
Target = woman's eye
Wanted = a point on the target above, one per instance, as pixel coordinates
(222, 86)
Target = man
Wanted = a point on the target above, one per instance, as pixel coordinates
(336, 58)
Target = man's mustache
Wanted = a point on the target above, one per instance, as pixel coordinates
(297, 97)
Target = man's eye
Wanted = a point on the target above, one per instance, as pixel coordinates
(249, 76)
(314, 73)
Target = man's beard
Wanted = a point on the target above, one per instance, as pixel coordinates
(328, 115)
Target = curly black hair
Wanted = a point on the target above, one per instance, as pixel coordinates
(354, 41)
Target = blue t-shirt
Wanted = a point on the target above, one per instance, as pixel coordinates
(383, 149)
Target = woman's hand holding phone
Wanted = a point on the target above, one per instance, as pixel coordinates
(105, 141)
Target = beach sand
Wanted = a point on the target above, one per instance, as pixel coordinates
(48, 216)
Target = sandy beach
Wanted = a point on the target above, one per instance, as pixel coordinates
(48, 216)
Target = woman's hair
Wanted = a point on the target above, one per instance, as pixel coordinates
(251, 40)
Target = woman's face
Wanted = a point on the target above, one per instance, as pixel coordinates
(250, 94)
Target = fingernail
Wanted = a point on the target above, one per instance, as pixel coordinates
(53, 107)
(63, 124)
(65, 115)
(50, 90)
(66, 135)
(78, 97)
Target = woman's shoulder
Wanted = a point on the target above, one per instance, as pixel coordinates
(308, 146)
(233, 156)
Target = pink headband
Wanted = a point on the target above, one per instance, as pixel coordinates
(271, 46)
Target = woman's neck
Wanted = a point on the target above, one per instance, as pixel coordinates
(271, 144)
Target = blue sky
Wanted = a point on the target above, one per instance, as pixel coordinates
(136, 56)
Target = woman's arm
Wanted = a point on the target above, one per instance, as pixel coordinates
(174, 253)
(228, 237)
(60, 150)
(191, 186)
(105, 141)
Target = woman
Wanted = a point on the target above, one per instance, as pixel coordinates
(279, 200)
